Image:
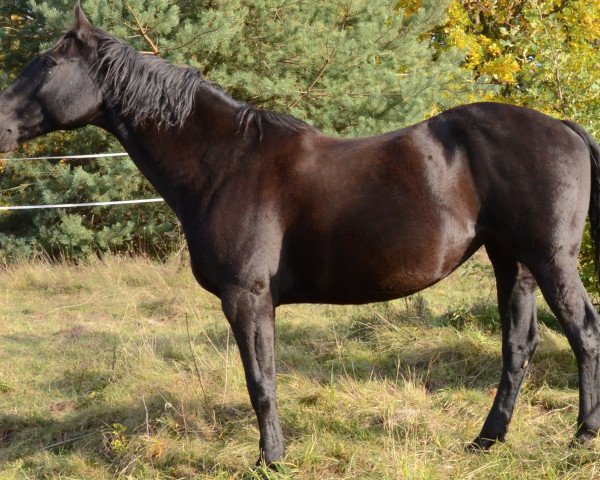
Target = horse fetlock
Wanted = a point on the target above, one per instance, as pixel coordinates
(265, 401)
(589, 424)
(270, 458)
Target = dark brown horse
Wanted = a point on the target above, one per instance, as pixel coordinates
(276, 212)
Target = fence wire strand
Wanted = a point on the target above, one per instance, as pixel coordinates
(75, 205)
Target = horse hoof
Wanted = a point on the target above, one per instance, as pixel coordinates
(264, 464)
(583, 439)
(481, 444)
(265, 470)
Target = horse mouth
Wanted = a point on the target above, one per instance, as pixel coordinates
(6, 148)
(8, 141)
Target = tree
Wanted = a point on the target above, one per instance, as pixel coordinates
(544, 54)
(354, 68)
(27, 29)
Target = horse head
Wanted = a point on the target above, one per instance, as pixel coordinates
(56, 91)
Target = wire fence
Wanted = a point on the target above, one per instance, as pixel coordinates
(90, 156)
(75, 205)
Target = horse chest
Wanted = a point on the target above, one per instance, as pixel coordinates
(225, 252)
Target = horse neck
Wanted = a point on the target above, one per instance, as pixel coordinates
(184, 164)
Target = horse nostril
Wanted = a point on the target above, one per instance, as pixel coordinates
(9, 131)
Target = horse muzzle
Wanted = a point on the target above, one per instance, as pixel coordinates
(8, 138)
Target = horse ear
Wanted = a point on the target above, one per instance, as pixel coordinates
(82, 26)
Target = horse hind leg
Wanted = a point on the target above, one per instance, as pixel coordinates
(565, 294)
(516, 304)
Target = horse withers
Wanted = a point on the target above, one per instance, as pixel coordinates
(276, 212)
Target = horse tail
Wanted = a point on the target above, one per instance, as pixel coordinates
(594, 210)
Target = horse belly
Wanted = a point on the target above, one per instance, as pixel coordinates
(381, 261)
(412, 264)
(385, 221)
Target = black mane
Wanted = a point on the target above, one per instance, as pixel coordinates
(145, 87)
(249, 115)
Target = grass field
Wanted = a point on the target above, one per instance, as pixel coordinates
(125, 368)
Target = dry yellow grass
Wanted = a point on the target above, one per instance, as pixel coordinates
(125, 368)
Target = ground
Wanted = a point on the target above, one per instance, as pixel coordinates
(125, 368)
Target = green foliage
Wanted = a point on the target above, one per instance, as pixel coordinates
(76, 234)
(353, 68)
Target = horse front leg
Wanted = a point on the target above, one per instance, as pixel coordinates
(252, 319)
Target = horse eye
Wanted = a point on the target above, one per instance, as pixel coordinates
(49, 61)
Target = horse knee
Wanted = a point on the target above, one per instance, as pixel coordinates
(264, 397)
(533, 339)
(584, 334)
(587, 347)
(520, 357)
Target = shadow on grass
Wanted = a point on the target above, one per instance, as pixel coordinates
(459, 349)
(126, 436)
(35, 343)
